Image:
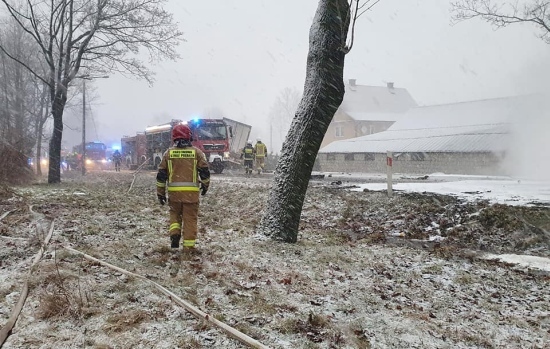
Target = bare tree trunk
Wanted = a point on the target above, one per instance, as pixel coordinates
(19, 110)
(38, 157)
(41, 119)
(54, 166)
(323, 94)
(6, 112)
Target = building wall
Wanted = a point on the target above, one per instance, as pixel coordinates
(413, 163)
(363, 128)
(344, 127)
(340, 120)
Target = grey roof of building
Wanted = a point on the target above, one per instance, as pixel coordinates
(366, 116)
(481, 138)
(376, 99)
(477, 126)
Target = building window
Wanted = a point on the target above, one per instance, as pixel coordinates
(418, 156)
(338, 131)
(369, 156)
(349, 157)
(331, 156)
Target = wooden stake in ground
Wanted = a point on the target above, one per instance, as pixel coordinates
(6, 330)
(234, 333)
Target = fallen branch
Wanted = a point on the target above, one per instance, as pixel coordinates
(5, 214)
(135, 173)
(140, 166)
(234, 333)
(12, 238)
(6, 330)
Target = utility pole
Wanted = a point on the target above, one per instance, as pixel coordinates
(83, 164)
(271, 136)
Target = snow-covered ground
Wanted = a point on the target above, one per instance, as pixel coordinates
(362, 274)
(495, 189)
(502, 190)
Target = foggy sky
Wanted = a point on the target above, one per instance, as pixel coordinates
(239, 55)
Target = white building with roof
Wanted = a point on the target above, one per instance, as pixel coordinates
(367, 110)
(473, 137)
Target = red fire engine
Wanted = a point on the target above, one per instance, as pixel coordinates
(212, 136)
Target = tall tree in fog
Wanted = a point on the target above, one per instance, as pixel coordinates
(19, 103)
(501, 14)
(323, 94)
(41, 114)
(282, 112)
(82, 38)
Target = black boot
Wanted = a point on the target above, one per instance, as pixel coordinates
(175, 241)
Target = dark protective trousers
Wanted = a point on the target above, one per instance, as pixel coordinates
(184, 215)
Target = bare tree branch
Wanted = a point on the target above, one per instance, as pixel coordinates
(24, 64)
(95, 35)
(355, 7)
(501, 15)
(368, 8)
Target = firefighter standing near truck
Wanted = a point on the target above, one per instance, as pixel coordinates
(183, 171)
(248, 154)
(260, 151)
(117, 159)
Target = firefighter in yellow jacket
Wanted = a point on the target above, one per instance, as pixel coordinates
(260, 151)
(184, 172)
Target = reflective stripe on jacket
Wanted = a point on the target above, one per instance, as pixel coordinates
(188, 155)
(179, 174)
(260, 150)
(248, 153)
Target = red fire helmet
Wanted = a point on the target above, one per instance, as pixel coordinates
(181, 131)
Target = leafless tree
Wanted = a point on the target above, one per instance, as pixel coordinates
(502, 13)
(40, 113)
(17, 103)
(282, 112)
(90, 38)
(323, 94)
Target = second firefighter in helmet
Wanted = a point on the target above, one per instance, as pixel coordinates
(183, 172)
(117, 159)
(260, 151)
(248, 154)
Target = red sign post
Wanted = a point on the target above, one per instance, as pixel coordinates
(389, 168)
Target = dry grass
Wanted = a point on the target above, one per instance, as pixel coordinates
(464, 278)
(126, 320)
(190, 343)
(357, 283)
(5, 291)
(13, 166)
(63, 295)
(314, 327)
(358, 336)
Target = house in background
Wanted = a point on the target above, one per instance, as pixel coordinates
(366, 110)
(490, 136)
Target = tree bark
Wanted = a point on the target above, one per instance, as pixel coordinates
(54, 166)
(323, 94)
(40, 120)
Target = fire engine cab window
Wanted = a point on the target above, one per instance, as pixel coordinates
(211, 132)
(95, 146)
